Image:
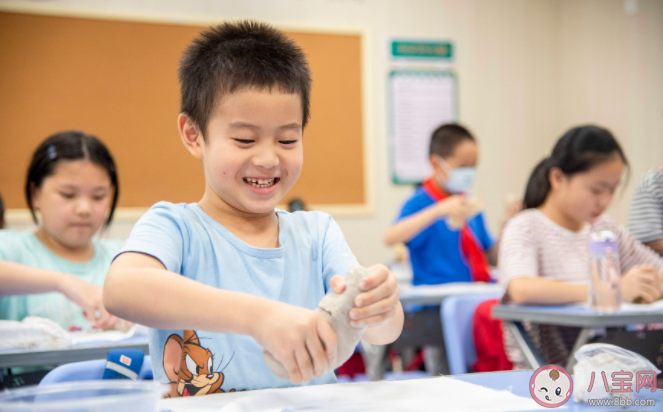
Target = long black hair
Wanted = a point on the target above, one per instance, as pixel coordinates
(580, 149)
(69, 145)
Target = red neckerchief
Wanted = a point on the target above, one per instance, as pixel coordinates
(469, 245)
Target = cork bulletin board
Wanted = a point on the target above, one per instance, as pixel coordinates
(118, 80)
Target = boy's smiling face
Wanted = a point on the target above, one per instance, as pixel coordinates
(252, 152)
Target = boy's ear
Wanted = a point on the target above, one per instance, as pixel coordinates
(435, 164)
(437, 167)
(191, 135)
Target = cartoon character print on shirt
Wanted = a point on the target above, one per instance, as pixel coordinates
(189, 367)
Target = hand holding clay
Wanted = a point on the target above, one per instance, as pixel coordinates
(459, 210)
(334, 308)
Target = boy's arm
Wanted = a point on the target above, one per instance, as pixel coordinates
(410, 226)
(140, 289)
(387, 332)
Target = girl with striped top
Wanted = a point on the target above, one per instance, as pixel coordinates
(544, 257)
(646, 218)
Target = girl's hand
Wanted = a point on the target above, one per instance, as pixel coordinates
(89, 298)
(642, 281)
(298, 338)
(377, 304)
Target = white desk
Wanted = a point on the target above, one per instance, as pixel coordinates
(580, 316)
(429, 394)
(435, 294)
(26, 357)
(495, 391)
(78, 353)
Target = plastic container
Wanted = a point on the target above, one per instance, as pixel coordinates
(85, 396)
(605, 292)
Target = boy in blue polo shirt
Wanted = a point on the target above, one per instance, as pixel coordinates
(448, 241)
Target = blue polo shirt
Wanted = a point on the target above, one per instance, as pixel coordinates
(435, 253)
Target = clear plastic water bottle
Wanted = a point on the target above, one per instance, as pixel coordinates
(605, 292)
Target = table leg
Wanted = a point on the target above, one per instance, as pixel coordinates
(583, 337)
(532, 355)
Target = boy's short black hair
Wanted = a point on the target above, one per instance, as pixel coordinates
(2, 213)
(445, 139)
(232, 56)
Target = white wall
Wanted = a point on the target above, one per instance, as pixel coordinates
(528, 70)
(611, 73)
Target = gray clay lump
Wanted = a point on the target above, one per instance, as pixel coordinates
(334, 308)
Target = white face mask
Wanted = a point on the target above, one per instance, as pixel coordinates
(460, 179)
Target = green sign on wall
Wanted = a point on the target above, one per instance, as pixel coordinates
(422, 49)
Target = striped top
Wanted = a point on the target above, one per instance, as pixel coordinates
(646, 218)
(534, 246)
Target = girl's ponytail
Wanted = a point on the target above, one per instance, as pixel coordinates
(538, 185)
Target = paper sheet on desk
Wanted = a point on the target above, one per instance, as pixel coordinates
(90, 338)
(650, 307)
(432, 394)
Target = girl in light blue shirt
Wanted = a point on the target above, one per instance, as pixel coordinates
(71, 190)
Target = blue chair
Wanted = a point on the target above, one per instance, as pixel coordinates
(89, 370)
(457, 322)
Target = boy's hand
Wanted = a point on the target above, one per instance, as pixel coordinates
(377, 304)
(298, 338)
(642, 281)
(456, 207)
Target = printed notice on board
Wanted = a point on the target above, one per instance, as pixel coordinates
(421, 101)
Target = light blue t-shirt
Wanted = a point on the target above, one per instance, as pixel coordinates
(189, 242)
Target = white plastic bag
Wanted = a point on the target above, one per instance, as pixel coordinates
(33, 333)
(602, 357)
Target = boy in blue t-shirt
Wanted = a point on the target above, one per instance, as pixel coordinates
(448, 241)
(219, 280)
